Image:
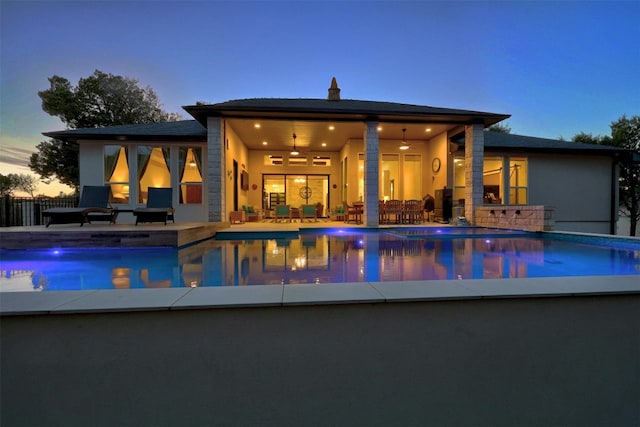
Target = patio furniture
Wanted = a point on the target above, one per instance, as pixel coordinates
(337, 214)
(159, 206)
(251, 215)
(412, 212)
(353, 213)
(236, 217)
(283, 212)
(382, 216)
(93, 206)
(393, 208)
(309, 211)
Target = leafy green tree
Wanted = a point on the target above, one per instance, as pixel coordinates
(625, 133)
(98, 100)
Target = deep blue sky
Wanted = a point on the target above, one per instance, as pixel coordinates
(558, 68)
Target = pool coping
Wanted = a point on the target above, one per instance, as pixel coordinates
(221, 297)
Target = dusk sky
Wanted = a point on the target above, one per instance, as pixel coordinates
(558, 68)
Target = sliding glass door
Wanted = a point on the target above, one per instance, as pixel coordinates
(295, 191)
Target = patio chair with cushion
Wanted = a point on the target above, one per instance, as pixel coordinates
(93, 206)
(159, 207)
(283, 212)
(309, 211)
(251, 214)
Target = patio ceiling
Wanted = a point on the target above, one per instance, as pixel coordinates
(310, 135)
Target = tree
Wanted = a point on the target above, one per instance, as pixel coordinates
(7, 185)
(587, 138)
(98, 100)
(12, 182)
(27, 183)
(625, 133)
(500, 128)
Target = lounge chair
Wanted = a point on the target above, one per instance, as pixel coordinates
(93, 206)
(159, 207)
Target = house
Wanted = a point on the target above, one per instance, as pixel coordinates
(266, 152)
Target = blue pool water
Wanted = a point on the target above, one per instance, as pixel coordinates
(322, 256)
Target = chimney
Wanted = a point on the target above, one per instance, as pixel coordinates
(334, 91)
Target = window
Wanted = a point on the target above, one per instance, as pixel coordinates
(518, 181)
(360, 176)
(116, 171)
(321, 161)
(297, 161)
(458, 178)
(190, 164)
(412, 177)
(389, 173)
(270, 160)
(492, 180)
(153, 169)
(498, 187)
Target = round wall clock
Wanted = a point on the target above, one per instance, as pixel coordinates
(435, 165)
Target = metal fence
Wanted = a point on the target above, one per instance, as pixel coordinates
(27, 211)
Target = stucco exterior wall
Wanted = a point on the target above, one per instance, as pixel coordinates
(578, 187)
(513, 362)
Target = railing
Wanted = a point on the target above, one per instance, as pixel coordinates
(27, 211)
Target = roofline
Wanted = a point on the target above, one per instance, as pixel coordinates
(335, 113)
(74, 137)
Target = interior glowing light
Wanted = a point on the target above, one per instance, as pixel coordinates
(404, 147)
(332, 127)
(324, 144)
(379, 128)
(427, 130)
(264, 142)
(257, 126)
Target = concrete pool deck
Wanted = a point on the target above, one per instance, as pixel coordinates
(123, 300)
(155, 234)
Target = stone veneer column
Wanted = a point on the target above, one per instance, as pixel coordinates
(371, 173)
(216, 161)
(473, 163)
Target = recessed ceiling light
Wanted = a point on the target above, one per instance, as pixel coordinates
(257, 126)
(264, 142)
(427, 130)
(324, 144)
(379, 128)
(332, 127)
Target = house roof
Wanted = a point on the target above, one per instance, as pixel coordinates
(344, 109)
(184, 130)
(496, 141)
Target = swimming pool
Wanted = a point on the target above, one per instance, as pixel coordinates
(323, 256)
